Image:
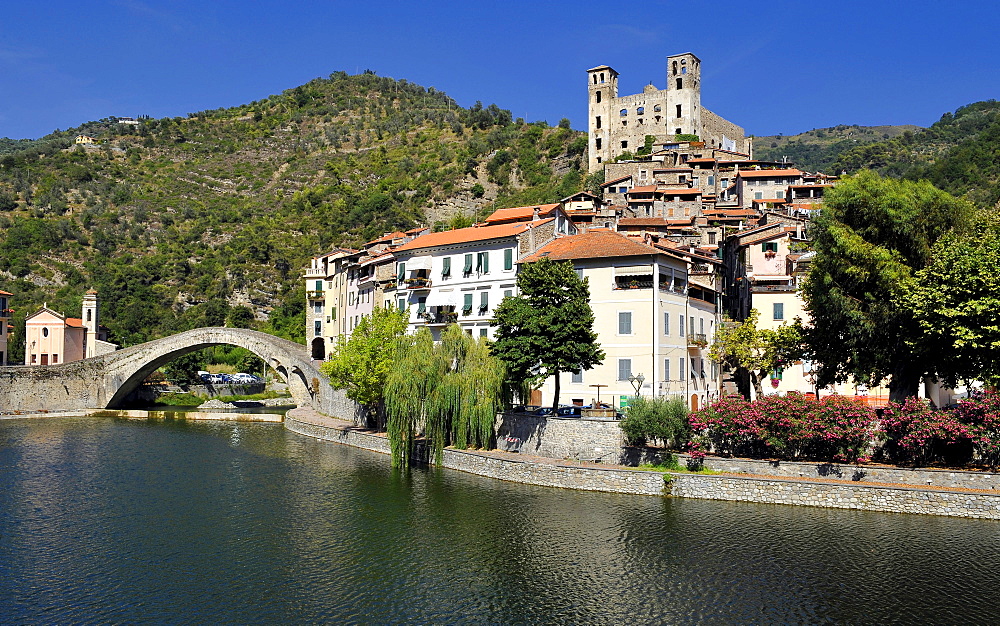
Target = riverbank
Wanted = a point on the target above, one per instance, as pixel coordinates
(760, 488)
(143, 414)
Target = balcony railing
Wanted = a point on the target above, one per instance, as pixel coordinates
(697, 340)
(418, 283)
(633, 284)
(314, 295)
(439, 318)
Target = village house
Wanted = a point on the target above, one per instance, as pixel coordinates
(649, 319)
(52, 338)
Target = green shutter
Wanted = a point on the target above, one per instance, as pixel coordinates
(486, 263)
(400, 272)
(508, 259)
(319, 285)
(421, 306)
(468, 264)
(467, 308)
(446, 270)
(484, 301)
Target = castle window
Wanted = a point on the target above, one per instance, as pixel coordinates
(598, 143)
(624, 144)
(678, 110)
(602, 77)
(656, 108)
(639, 121)
(657, 119)
(680, 83)
(598, 96)
(677, 131)
(595, 79)
(623, 112)
(597, 121)
(684, 70)
(675, 68)
(640, 110)
(598, 159)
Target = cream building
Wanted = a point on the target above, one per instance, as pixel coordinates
(649, 317)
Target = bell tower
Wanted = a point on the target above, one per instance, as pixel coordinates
(684, 95)
(602, 91)
(91, 321)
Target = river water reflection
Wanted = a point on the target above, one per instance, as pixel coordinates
(153, 521)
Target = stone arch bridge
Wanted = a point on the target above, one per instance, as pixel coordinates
(106, 381)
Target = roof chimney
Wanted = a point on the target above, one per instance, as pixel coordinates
(534, 214)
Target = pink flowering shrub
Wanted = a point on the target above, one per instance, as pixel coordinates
(790, 427)
(916, 434)
(982, 415)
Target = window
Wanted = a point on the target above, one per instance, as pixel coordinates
(597, 121)
(598, 95)
(771, 246)
(678, 111)
(640, 110)
(508, 259)
(484, 301)
(350, 298)
(484, 332)
(684, 70)
(674, 66)
(691, 322)
(680, 83)
(680, 327)
(777, 373)
(666, 369)
(681, 361)
(446, 268)
(89, 312)
(317, 308)
(467, 268)
(483, 262)
(624, 369)
(623, 112)
(625, 144)
(45, 332)
(55, 358)
(624, 322)
(317, 328)
(401, 303)
(467, 305)
(678, 131)
(701, 326)
(319, 285)
(779, 310)
(711, 180)
(508, 293)
(597, 143)
(577, 377)
(711, 238)
(400, 272)
(421, 306)
(666, 324)
(333, 314)
(34, 358)
(758, 195)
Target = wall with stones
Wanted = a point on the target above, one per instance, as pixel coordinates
(561, 438)
(715, 127)
(838, 496)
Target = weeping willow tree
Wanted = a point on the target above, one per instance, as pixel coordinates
(450, 392)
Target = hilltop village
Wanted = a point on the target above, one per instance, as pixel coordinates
(690, 229)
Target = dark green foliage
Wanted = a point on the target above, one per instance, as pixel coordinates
(548, 328)
(874, 233)
(661, 419)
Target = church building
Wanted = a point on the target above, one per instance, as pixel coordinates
(52, 338)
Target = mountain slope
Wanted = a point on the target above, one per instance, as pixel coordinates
(816, 150)
(177, 220)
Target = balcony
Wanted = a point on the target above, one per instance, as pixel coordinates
(632, 284)
(697, 341)
(315, 295)
(439, 318)
(314, 272)
(5, 313)
(417, 284)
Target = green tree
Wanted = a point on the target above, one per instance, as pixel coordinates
(955, 300)
(359, 364)
(874, 233)
(754, 352)
(549, 327)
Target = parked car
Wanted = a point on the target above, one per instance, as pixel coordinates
(216, 379)
(569, 411)
(243, 378)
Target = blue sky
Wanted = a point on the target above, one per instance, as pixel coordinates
(772, 66)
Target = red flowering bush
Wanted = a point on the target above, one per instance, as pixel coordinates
(982, 415)
(916, 434)
(791, 426)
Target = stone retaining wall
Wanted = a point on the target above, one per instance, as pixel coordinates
(561, 437)
(838, 496)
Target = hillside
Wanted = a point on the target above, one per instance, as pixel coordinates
(959, 153)
(816, 150)
(182, 222)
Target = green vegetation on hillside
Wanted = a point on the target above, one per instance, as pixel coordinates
(184, 222)
(817, 150)
(959, 154)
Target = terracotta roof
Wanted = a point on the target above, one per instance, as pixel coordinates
(597, 243)
(74, 322)
(521, 213)
(616, 181)
(469, 235)
(768, 173)
(386, 237)
(769, 201)
(579, 193)
(703, 160)
(644, 189)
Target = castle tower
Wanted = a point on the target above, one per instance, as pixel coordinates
(602, 92)
(683, 115)
(91, 321)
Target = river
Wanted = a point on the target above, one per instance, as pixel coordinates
(136, 521)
